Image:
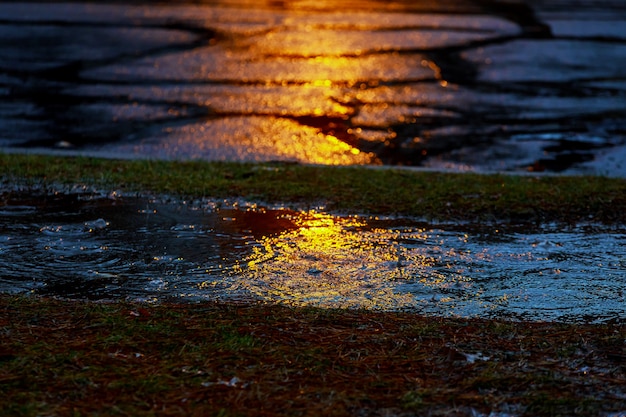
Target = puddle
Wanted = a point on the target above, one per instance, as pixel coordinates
(85, 246)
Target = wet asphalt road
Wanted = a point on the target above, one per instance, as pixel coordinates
(460, 84)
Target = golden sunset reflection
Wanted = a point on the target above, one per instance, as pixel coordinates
(332, 85)
(335, 262)
(334, 64)
(332, 55)
(253, 139)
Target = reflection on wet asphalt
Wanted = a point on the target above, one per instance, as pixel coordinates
(457, 84)
(88, 246)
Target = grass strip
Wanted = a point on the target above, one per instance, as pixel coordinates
(393, 191)
(75, 358)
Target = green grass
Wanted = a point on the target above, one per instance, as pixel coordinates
(433, 196)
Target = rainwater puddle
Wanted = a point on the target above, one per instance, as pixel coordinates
(82, 246)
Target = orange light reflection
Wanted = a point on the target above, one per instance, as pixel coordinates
(332, 62)
(341, 263)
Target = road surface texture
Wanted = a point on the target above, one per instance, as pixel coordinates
(481, 85)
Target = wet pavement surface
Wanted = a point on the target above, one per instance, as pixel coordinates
(86, 245)
(457, 84)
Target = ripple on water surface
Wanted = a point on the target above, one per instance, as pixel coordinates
(141, 249)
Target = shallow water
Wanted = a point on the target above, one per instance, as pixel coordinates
(107, 247)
